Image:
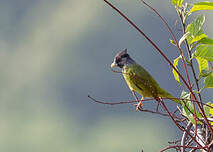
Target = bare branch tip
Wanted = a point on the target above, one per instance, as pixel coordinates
(143, 1)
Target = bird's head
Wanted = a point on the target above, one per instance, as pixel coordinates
(121, 59)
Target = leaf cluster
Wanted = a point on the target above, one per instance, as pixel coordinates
(200, 48)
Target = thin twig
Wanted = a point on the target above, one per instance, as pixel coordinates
(173, 36)
(154, 112)
(125, 102)
(190, 55)
(164, 56)
(134, 101)
(174, 142)
(179, 146)
(154, 45)
(182, 57)
(189, 51)
(181, 128)
(110, 103)
(163, 105)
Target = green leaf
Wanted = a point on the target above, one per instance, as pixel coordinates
(198, 37)
(185, 95)
(173, 42)
(208, 81)
(204, 51)
(207, 109)
(188, 108)
(206, 40)
(210, 109)
(203, 66)
(202, 6)
(195, 30)
(196, 25)
(177, 3)
(175, 63)
(185, 108)
(188, 113)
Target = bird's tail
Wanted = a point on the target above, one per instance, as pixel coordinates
(173, 99)
(169, 96)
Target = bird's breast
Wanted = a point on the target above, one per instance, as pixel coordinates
(136, 82)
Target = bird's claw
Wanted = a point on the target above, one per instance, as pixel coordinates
(139, 105)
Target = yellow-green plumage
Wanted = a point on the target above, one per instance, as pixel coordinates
(139, 80)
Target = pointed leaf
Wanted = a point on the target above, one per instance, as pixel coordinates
(188, 114)
(208, 81)
(177, 3)
(187, 107)
(195, 30)
(194, 27)
(204, 51)
(185, 95)
(173, 42)
(175, 63)
(203, 66)
(202, 6)
(206, 40)
(207, 109)
(210, 108)
(187, 99)
(198, 37)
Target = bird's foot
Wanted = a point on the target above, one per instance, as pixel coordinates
(139, 105)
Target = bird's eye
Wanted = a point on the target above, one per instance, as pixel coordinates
(118, 60)
(124, 56)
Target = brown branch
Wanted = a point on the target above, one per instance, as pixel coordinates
(110, 103)
(154, 112)
(145, 110)
(181, 128)
(127, 102)
(182, 57)
(189, 51)
(134, 101)
(189, 55)
(150, 41)
(165, 57)
(174, 142)
(173, 36)
(179, 146)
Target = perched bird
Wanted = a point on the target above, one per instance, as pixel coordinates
(138, 79)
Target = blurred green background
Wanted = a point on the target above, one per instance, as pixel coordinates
(54, 53)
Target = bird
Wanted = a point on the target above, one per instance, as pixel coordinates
(139, 80)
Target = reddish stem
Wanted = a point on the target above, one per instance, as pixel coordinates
(182, 57)
(175, 39)
(164, 106)
(183, 129)
(179, 146)
(110, 103)
(165, 57)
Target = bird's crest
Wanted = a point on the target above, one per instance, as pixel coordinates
(121, 53)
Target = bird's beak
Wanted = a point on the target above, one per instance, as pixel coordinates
(113, 65)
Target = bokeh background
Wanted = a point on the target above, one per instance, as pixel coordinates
(54, 53)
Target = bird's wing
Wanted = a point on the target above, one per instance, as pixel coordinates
(142, 79)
